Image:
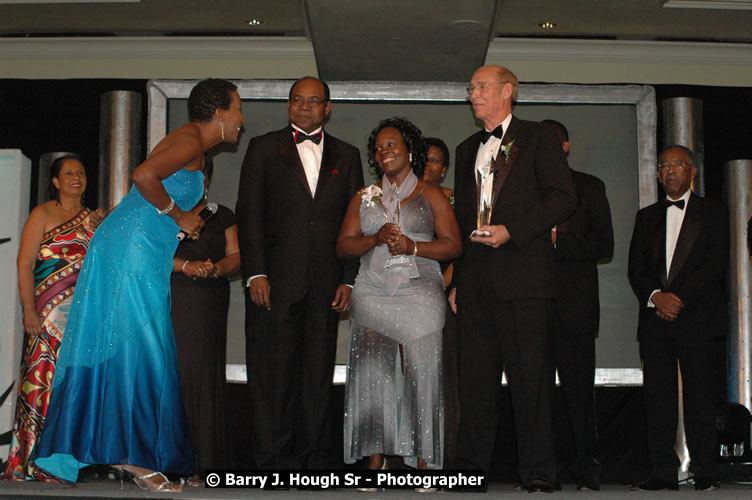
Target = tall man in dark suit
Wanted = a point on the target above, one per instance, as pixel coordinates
(505, 281)
(677, 263)
(579, 242)
(295, 186)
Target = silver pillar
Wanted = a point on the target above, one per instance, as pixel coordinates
(683, 125)
(45, 161)
(738, 185)
(119, 144)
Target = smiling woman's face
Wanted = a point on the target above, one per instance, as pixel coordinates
(390, 152)
(71, 180)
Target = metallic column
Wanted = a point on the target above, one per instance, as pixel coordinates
(738, 185)
(119, 144)
(683, 125)
(45, 161)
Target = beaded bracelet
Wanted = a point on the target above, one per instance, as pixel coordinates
(169, 207)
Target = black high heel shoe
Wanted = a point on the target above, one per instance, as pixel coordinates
(123, 474)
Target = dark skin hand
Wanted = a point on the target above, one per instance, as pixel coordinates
(668, 305)
(341, 302)
(260, 289)
(391, 235)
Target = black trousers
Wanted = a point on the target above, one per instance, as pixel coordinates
(574, 357)
(660, 385)
(512, 337)
(291, 351)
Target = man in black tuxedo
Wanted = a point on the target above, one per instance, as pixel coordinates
(505, 281)
(579, 242)
(294, 189)
(677, 263)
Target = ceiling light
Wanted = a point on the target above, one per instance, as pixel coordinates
(547, 25)
(255, 22)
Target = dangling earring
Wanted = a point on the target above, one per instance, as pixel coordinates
(410, 157)
(222, 128)
(206, 195)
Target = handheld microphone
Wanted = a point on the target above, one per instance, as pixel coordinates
(209, 210)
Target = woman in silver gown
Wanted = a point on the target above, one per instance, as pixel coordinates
(400, 228)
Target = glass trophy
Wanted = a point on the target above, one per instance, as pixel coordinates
(396, 261)
(485, 206)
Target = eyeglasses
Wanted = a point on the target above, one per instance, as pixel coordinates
(312, 101)
(677, 164)
(482, 86)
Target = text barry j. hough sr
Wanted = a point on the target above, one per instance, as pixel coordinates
(341, 479)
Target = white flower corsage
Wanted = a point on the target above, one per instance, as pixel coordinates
(507, 149)
(370, 195)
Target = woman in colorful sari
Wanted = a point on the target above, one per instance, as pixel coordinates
(53, 244)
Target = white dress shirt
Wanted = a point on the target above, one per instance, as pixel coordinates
(486, 156)
(310, 156)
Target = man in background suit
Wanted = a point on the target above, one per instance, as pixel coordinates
(579, 242)
(294, 189)
(677, 263)
(505, 281)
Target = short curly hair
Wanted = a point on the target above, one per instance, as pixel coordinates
(414, 141)
(435, 141)
(207, 96)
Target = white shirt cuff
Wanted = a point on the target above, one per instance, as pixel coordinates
(650, 299)
(248, 283)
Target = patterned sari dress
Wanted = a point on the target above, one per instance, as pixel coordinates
(55, 274)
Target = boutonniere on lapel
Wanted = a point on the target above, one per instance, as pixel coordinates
(370, 195)
(507, 149)
(335, 171)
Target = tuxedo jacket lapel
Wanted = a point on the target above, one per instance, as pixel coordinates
(690, 229)
(504, 164)
(329, 159)
(291, 158)
(658, 242)
(471, 176)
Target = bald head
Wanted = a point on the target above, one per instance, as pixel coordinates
(493, 90)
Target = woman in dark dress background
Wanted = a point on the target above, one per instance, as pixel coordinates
(200, 300)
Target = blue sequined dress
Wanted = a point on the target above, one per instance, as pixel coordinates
(116, 396)
(393, 396)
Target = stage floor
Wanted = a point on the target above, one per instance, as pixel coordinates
(111, 489)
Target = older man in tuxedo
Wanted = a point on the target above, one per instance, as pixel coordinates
(579, 242)
(505, 278)
(677, 263)
(294, 189)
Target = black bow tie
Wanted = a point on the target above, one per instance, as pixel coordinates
(497, 132)
(315, 138)
(678, 203)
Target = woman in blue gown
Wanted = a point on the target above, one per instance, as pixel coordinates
(116, 394)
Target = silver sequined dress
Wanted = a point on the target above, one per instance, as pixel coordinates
(393, 401)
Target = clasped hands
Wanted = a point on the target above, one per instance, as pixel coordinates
(391, 236)
(198, 269)
(667, 305)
